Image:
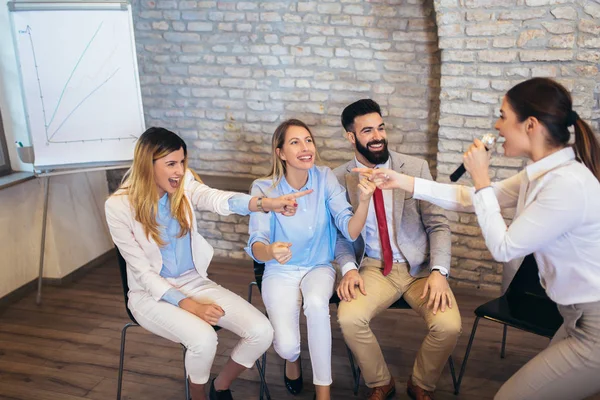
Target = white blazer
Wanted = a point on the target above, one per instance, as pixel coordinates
(144, 260)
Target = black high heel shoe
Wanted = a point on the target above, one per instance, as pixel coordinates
(294, 386)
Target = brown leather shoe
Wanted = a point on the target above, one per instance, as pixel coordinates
(383, 392)
(417, 393)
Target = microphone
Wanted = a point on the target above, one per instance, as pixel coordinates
(488, 140)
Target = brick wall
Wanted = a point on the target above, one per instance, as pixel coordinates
(487, 46)
(225, 74)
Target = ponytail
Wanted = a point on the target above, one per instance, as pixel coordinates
(587, 146)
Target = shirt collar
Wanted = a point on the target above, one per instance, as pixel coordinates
(384, 165)
(548, 163)
(163, 202)
(309, 183)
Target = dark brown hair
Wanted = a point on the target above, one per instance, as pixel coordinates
(549, 102)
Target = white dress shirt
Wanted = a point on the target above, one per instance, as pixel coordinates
(557, 218)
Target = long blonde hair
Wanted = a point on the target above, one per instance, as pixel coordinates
(139, 183)
(278, 167)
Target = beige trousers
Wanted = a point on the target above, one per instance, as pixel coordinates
(568, 369)
(382, 291)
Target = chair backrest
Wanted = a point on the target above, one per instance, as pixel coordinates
(527, 281)
(527, 300)
(123, 271)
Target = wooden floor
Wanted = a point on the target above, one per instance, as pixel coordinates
(68, 348)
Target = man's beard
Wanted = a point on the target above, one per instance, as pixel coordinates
(375, 158)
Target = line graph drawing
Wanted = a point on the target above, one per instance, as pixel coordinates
(49, 132)
(79, 80)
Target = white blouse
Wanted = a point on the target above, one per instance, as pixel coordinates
(557, 218)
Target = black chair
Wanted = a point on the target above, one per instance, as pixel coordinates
(123, 271)
(525, 306)
(400, 304)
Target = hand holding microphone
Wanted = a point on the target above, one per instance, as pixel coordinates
(486, 142)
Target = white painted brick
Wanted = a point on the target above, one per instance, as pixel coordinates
(588, 41)
(522, 14)
(363, 21)
(564, 13)
(546, 55)
(562, 42)
(451, 43)
(331, 8)
(464, 82)
(590, 26)
(477, 43)
(458, 55)
(497, 56)
(501, 85)
(492, 29)
(544, 71)
(483, 97)
(531, 38)
(200, 26)
(517, 71)
(478, 16)
(361, 53)
(592, 9)
(504, 42)
(559, 27)
(465, 109)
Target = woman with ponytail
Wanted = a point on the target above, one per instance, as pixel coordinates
(557, 200)
(152, 222)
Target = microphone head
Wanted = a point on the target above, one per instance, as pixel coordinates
(488, 140)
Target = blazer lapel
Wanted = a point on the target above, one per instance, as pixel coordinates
(352, 185)
(398, 195)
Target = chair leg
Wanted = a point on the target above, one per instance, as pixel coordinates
(264, 389)
(187, 381)
(502, 351)
(464, 363)
(452, 372)
(252, 284)
(355, 371)
(122, 358)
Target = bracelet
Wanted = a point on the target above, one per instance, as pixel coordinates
(259, 205)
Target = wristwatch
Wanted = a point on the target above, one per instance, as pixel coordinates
(259, 205)
(443, 272)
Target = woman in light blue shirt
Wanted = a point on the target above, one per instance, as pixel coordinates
(298, 250)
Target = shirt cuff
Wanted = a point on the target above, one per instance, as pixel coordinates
(443, 270)
(349, 266)
(240, 204)
(173, 296)
(248, 248)
(421, 188)
(485, 202)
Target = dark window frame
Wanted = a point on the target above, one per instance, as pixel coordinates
(4, 166)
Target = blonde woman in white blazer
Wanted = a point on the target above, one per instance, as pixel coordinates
(152, 222)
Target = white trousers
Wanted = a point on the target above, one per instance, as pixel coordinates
(197, 335)
(569, 369)
(283, 290)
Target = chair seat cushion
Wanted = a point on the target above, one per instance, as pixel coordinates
(529, 313)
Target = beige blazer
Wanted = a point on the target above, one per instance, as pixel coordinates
(144, 260)
(422, 231)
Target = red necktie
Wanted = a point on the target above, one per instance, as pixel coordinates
(384, 236)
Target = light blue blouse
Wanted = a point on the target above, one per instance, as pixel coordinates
(177, 251)
(313, 229)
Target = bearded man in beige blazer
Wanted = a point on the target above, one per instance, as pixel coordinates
(403, 251)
